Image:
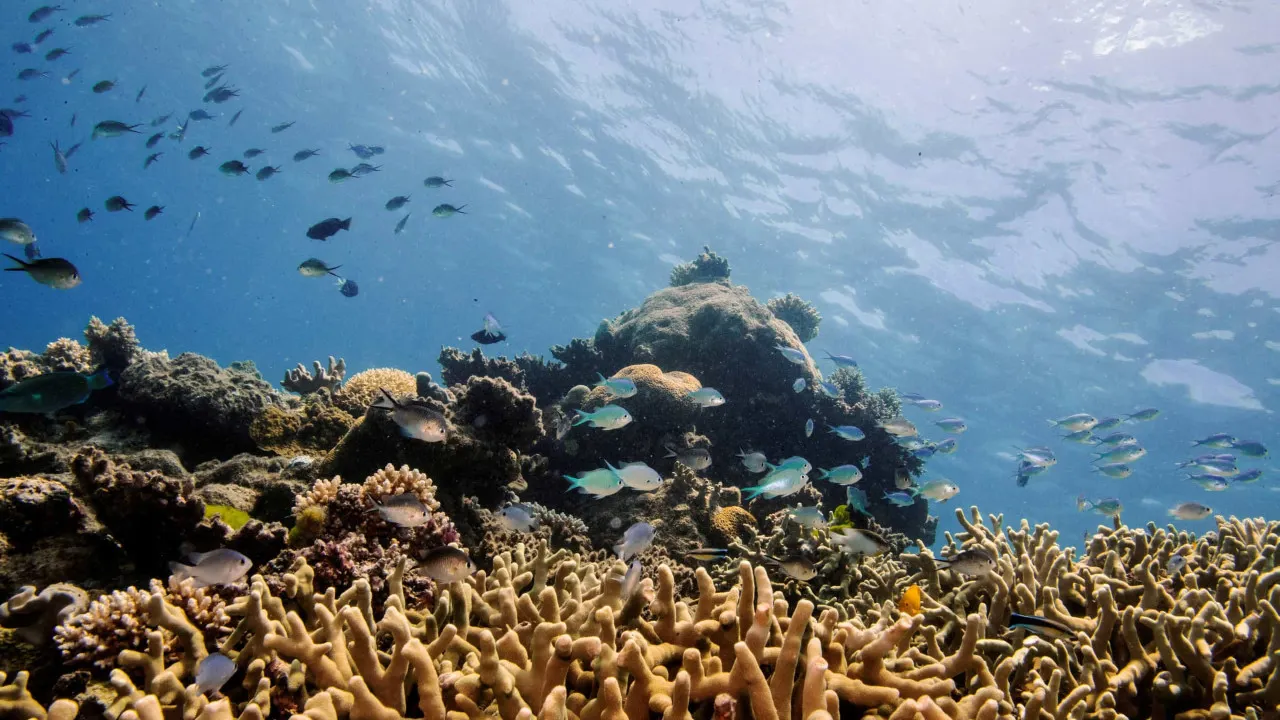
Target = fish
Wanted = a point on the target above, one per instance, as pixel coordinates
(706, 554)
(1209, 482)
(842, 361)
(929, 405)
(856, 499)
(900, 498)
(23, 48)
(400, 225)
(951, 425)
(794, 462)
(213, 672)
(909, 603)
(517, 517)
(799, 385)
(151, 160)
(490, 332)
(32, 251)
(1082, 437)
(809, 517)
(181, 133)
(349, 288)
(113, 128)
(859, 542)
(926, 451)
(232, 168)
(59, 159)
(1042, 626)
(1190, 511)
(57, 273)
(778, 484)
(1119, 471)
(852, 433)
(1123, 454)
(217, 567)
(631, 580)
(696, 459)
(234, 118)
(197, 152)
(444, 210)
(609, 417)
(153, 211)
(253, 153)
(1175, 564)
(161, 120)
(154, 140)
(192, 226)
(87, 20)
(829, 389)
(808, 427)
(397, 202)
(799, 357)
(415, 421)
(635, 540)
(1072, 423)
(403, 510)
(898, 427)
(1222, 459)
(1217, 469)
(841, 475)
(31, 74)
(637, 476)
(973, 561)
(266, 172)
(1117, 439)
(938, 490)
(1038, 456)
(600, 483)
(1250, 448)
(340, 174)
(282, 127)
(799, 568)
(116, 203)
(103, 86)
(304, 154)
(327, 228)
(706, 397)
(436, 182)
(199, 114)
(1107, 423)
(753, 461)
(314, 267)
(16, 231)
(1248, 476)
(1027, 470)
(447, 565)
(85, 215)
(52, 391)
(361, 151)
(1143, 415)
(1217, 440)
(213, 70)
(947, 447)
(902, 479)
(43, 13)
(1110, 507)
(617, 387)
(364, 169)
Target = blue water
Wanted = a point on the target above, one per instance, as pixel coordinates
(1022, 214)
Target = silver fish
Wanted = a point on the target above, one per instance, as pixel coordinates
(447, 565)
(405, 510)
(213, 672)
(218, 567)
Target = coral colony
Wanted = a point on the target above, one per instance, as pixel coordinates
(183, 540)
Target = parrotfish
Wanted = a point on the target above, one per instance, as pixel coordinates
(51, 392)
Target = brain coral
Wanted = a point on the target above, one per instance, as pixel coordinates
(660, 396)
(363, 388)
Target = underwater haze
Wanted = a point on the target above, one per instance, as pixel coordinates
(1021, 213)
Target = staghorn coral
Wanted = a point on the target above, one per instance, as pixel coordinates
(708, 267)
(800, 314)
(392, 481)
(551, 634)
(362, 389)
(301, 381)
(122, 621)
(115, 345)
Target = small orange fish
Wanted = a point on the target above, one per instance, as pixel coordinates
(910, 602)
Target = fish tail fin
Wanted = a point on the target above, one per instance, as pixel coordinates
(752, 493)
(671, 452)
(345, 224)
(583, 417)
(386, 402)
(100, 378)
(574, 483)
(459, 210)
(602, 379)
(22, 264)
(179, 570)
(1082, 503)
(448, 183)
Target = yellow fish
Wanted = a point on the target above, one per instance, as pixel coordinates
(910, 602)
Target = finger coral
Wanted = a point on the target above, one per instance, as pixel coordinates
(301, 381)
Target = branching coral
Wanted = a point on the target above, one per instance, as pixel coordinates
(363, 388)
(707, 267)
(301, 381)
(800, 314)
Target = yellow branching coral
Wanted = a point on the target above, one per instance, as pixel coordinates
(322, 492)
(362, 389)
(392, 481)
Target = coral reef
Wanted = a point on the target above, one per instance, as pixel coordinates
(315, 427)
(115, 346)
(208, 410)
(498, 412)
(553, 634)
(801, 315)
(362, 389)
(706, 268)
(301, 381)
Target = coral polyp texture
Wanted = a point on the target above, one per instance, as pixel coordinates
(556, 634)
(800, 314)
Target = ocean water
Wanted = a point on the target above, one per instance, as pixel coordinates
(1021, 213)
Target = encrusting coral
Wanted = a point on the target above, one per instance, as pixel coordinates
(554, 634)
